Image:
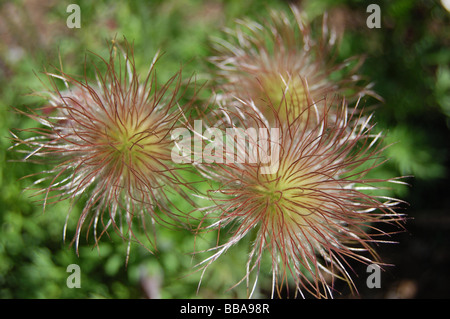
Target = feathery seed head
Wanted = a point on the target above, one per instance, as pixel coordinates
(111, 141)
(281, 67)
(313, 213)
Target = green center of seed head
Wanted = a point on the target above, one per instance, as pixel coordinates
(272, 193)
(286, 95)
(286, 197)
(130, 143)
(125, 141)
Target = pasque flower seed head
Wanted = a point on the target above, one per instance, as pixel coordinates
(315, 212)
(281, 64)
(109, 142)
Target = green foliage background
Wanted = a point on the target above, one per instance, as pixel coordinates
(407, 59)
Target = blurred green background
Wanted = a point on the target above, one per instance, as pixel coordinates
(407, 59)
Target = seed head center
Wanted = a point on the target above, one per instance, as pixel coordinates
(130, 143)
(287, 95)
